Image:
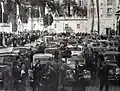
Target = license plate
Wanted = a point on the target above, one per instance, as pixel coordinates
(87, 76)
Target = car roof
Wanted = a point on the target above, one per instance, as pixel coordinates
(103, 40)
(111, 53)
(48, 36)
(45, 55)
(22, 47)
(8, 54)
(6, 50)
(51, 48)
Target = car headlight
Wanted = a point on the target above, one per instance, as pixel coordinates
(111, 72)
(117, 71)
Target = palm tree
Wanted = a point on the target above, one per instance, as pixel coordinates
(97, 3)
(42, 4)
(67, 5)
(10, 11)
(55, 7)
(93, 10)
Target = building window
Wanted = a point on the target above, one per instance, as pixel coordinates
(109, 11)
(66, 25)
(55, 26)
(78, 26)
(109, 2)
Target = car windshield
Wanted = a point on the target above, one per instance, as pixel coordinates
(7, 59)
(50, 51)
(20, 50)
(75, 49)
(72, 42)
(103, 44)
(111, 44)
(110, 58)
(42, 59)
(96, 44)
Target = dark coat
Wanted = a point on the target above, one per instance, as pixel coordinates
(103, 73)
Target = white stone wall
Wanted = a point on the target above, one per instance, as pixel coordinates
(60, 23)
(5, 27)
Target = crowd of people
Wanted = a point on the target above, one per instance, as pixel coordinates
(46, 76)
(22, 38)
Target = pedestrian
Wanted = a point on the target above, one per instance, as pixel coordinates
(8, 79)
(16, 76)
(37, 72)
(103, 76)
(23, 77)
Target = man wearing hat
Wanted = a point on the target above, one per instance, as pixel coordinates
(103, 76)
(8, 79)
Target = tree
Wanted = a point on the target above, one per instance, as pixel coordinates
(67, 5)
(39, 4)
(77, 9)
(42, 4)
(97, 3)
(10, 11)
(58, 8)
(80, 11)
(92, 11)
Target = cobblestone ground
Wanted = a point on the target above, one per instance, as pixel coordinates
(94, 86)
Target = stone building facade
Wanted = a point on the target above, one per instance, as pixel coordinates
(107, 8)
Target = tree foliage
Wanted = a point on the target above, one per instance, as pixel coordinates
(55, 6)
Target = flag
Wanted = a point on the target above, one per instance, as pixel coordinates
(2, 6)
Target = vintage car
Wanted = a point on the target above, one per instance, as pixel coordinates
(2, 67)
(72, 42)
(5, 59)
(113, 61)
(71, 71)
(112, 46)
(48, 39)
(75, 50)
(93, 44)
(99, 49)
(51, 50)
(52, 44)
(21, 49)
(43, 58)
